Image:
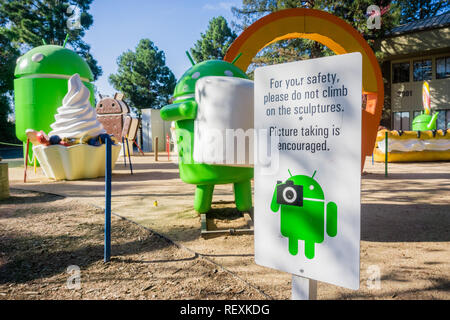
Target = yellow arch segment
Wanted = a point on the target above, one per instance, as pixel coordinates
(327, 32)
(335, 47)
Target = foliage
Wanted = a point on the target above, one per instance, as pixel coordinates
(144, 77)
(420, 9)
(354, 12)
(8, 56)
(33, 21)
(214, 43)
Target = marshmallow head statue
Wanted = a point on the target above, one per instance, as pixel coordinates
(211, 99)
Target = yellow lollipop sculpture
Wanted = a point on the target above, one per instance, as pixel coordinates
(425, 121)
(424, 143)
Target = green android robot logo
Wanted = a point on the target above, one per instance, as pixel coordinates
(303, 213)
(184, 111)
(40, 84)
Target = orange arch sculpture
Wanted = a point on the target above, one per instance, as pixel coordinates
(330, 31)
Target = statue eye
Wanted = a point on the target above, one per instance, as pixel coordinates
(311, 187)
(228, 73)
(195, 75)
(23, 63)
(37, 57)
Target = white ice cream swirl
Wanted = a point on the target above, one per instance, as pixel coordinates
(76, 118)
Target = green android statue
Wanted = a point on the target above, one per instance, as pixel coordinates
(184, 111)
(40, 84)
(303, 212)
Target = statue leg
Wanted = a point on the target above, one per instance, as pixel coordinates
(309, 249)
(293, 246)
(203, 198)
(243, 195)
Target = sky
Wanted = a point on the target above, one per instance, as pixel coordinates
(174, 26)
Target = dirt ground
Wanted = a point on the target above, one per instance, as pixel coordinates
(405, 237)
(42, 235)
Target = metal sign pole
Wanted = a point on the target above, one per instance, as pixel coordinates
(386, 150)
(107, 249)
(303, 288)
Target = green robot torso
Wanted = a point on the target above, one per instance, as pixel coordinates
(40, 85)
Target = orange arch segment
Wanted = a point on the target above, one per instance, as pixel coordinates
(332, 32)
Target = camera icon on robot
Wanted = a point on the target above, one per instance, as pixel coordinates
(289, 193)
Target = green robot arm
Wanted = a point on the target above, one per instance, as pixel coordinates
(179, 111)
(331, 219)
(274, 206)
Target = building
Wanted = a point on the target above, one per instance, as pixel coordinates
(153, 126)
(415, 52)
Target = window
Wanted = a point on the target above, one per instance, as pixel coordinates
(400, 72)
(443, 119)
(401, 121)
(422, 70)
(443, 68)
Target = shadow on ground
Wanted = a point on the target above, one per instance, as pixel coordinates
(32, 257)
(405, 223)
(406, 176)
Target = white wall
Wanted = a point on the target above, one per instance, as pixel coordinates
(153, 126)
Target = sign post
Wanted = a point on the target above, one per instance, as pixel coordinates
(303, 288)
(108, 166)
(307, 197)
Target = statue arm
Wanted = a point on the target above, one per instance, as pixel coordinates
(179, 111)
(331, 219)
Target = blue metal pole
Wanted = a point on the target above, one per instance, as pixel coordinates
(107, 252)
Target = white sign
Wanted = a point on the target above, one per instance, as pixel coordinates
(307, 209)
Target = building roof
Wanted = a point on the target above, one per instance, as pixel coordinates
(436, 22)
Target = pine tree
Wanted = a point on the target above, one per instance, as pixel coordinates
(214, 43)
(144, 77)
(413, 10)
(8, 56)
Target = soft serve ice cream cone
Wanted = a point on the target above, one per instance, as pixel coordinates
(76, 118)
(75, 121)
